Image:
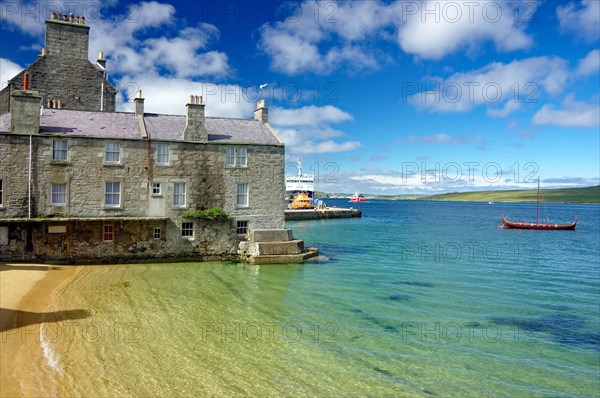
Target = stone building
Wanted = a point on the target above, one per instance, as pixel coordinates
(62, 74)
(81, 182)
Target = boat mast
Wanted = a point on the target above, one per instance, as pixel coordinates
(538, 203)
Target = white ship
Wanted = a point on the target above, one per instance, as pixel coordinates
(299, 183)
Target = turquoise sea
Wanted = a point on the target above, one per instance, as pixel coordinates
(414, 299)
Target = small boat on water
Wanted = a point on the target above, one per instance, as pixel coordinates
(537, 224)
(301, 201)
(357, 197)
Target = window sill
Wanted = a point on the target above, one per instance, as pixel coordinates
(157, 195)
(59, 205)
(162, 164)
(112, 208)
(108, 164)
(60, 162)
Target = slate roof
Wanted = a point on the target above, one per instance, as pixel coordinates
(121, 125)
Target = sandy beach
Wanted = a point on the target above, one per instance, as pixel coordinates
(25, 306)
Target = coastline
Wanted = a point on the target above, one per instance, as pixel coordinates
(26, 292)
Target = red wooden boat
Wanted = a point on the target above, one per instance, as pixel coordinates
(537, 224)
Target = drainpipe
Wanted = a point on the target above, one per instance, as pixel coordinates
(29, 178)
(102, 98)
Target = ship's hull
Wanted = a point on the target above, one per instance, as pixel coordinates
(539, 226)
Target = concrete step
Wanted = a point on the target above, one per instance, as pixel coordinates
(280, 248)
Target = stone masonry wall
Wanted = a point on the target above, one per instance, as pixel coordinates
(67, 39)
(82, 241)
(77, 83)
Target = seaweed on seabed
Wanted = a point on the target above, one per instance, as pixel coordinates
(564, 329)
(416, 283)
(399, 297)
(386, 327)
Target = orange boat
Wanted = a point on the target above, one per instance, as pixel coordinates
(301, 201)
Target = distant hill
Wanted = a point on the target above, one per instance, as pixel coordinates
(563, 195)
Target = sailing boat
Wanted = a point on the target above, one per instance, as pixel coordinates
(491, 202)
(538, 224)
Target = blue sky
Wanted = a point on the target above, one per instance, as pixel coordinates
(410, 97)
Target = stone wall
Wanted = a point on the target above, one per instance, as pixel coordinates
(75, 82)
(82, 241)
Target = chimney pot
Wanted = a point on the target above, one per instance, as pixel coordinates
(71, 17)
(59, 104)
(52, 15)
(82, 20)
(59, 16)
(101, 55)
(43, 51)
(26, 81)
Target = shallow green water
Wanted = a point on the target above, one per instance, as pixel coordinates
(414, 299)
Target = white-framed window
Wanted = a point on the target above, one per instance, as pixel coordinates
(242, 195)
(112, 153)
(59, 150)
(162, 154)
(112, 194)
(236, 157)
(108, 233)
(1, 194)
(156, 233)
(187, 229)
(58, 193)
(242, 227)
(179, 194)
(156, 188)
(230, 156)
(241, 158)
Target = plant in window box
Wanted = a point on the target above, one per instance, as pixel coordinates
(214, 214)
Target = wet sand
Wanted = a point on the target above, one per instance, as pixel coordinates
(25, 305)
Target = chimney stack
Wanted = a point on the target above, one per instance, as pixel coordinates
(261, 113)
(25, 112)
(101, 61)
(195, 130)
(66, 37)
(139, 103)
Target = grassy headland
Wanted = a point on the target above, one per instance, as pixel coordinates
(563, 195)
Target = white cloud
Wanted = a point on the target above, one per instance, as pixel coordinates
(435, 28)
(169, 95)
(8, 70)
(509, 107)
(441, 138)
(496, 84)
(583, 22)
(572, 114)
(307, 129)
(589, 65)
(322, 36)
(181, 53)
(308, 116)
